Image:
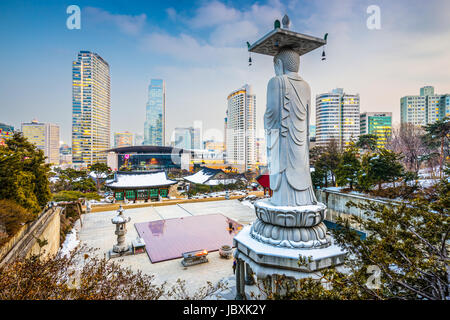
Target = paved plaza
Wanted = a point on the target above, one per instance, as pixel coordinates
(98, 232)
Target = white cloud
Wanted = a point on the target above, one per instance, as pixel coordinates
(127, 24)
(212, 14)
(172, 13)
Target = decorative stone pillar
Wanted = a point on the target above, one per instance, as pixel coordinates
(238, 281)
(249, 280)
(242, 278)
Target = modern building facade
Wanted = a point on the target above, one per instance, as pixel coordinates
(155, 115)
(138, 139)
(183, 138)
(187, 138)
(123, 139)
(91, 109)
(241, 128)
(65, 155)
(45, 136)
(6, 132)
(146, 158)
(337, 117)
(261, 151)
(377, 123)
(426, 108)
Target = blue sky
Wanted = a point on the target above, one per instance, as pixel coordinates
(199, 48)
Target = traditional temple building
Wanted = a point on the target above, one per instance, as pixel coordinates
(264, 181)
(140, 185)
(210, 177)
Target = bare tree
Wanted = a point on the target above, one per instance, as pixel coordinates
(407, 140)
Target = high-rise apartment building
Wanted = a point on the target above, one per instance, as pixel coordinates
(241, 128)
(337, 117)
(261, 151)
(6, 132)
(91, 109)
(377, 123)
(225, 120)
(426, 108)
(155, 119)
(123, 139)
(45, 136)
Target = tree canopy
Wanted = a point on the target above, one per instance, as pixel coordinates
(24, 174)
(404, 255)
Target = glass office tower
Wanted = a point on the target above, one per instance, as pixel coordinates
(155, 126)
(377, 123)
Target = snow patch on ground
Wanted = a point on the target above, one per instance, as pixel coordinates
(248, 204)
(70, 243)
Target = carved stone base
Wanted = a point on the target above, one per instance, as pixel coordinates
(120, 248)
(286, 216)
(266, 259)
(297, 237)
(290, 227)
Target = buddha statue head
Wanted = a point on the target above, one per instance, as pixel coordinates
(286, 60)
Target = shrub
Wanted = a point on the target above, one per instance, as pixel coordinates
(83, 275)
(12, 217)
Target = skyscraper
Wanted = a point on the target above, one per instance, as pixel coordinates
(241, 128)
(426, 108)
(91, 109)
(337, 117)
(377, 123)
(155, 119)
(138, 139)
(45, 136)
(183, 138)
(123, 139)
(187, 138)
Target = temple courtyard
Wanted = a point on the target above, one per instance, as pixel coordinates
(97, 231)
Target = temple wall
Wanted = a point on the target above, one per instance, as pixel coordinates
(25, 243)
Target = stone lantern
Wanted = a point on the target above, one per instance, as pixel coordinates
(121, 229)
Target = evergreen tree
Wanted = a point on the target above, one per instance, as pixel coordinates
(325, 161)
(101, 172)
(439, 133)
(348, 167)
(24, 174)
(367, 142)
(379, 167)
(70, 179)
(404, 256)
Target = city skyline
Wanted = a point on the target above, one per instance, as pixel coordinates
(200, 43)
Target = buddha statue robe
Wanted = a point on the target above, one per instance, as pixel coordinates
(286, 123)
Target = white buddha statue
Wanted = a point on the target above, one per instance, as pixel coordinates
(286, 122)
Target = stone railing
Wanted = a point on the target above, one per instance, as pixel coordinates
(23, 243)
(336, 203)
